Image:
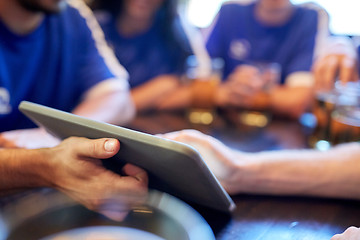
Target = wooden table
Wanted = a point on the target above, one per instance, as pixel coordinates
(263, 217)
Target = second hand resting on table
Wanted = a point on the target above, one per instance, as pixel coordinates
(333, 173)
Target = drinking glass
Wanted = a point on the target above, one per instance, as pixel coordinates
(204, 77)
(346, 115)
(270, 73)
(338, 116)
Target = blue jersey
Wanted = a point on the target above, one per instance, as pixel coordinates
(358, 55)
(54, 65)
(144, 56)
(238, 37)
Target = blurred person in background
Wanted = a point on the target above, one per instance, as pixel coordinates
(74, 168)
(53, 53)
(339, 61)
(336, 102)
(267, 31)
(149, 41)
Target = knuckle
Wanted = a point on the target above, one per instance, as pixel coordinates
(143, 190)
(92, 148)
(94, 204)
(352, 229)
(141, 185)
(70, 139)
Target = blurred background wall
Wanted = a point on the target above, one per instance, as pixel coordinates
(344, 14)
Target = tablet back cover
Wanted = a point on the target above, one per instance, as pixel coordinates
(173, 167)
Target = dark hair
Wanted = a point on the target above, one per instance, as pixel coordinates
(167, 17)
(112, 6)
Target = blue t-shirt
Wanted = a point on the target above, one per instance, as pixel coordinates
(358, 55)
(54, 65)
(238, 37)
(144, 56)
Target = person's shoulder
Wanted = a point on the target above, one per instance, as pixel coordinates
(77, 9)
(236, 7)
(78, 17)
(311, 10)
(70, 10)
(103, 17)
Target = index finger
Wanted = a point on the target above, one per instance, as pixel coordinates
(326, 72)
(347, 70)
(136, 172)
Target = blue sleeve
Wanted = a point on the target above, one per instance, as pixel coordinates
(358, 56)
(302, 60)
(94, 55)
(215, 43)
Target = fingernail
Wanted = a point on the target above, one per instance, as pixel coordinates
(115, 215)
(110, 145)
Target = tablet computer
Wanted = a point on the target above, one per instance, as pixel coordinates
(173, 167)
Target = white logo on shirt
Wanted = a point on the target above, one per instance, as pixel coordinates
(239, 49)
(5, 106)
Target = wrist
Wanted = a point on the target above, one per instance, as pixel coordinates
(240, 173)
(203, 93)
(23, 168)
(246, 173)
(37, 168)
(220, 97)
(262, 101)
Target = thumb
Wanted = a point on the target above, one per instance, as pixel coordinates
(99, 148)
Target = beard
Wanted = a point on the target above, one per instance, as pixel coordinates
(46, 6)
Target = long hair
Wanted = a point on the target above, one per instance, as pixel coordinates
(168, 18)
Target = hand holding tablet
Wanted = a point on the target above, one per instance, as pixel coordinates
(173, 167)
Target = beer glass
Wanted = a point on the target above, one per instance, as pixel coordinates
(338, 116)
(203, 78)
(270, 73)
(346, 115)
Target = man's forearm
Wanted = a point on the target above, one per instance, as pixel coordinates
(116, 108)
(291, 101)
(334, 173)
(180, 98)
(152, 93)
(108, 101)
(22, 168)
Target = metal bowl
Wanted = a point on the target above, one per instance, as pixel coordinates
(55, 216)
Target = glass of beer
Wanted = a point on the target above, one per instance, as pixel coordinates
(203, 77)
(338, 116)
(345, 119)
(270, 73)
